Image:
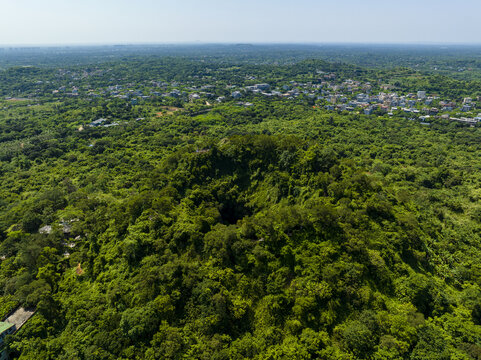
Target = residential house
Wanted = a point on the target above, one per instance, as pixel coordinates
(12, 324)
(263, 87)
(194, 96)
(97, 122)
(421, 95)
(236, 95)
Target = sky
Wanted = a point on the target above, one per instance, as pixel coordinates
(83, 22)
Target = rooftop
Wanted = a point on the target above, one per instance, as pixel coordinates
(4, 326)
(19, 317)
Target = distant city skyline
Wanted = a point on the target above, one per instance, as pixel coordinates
(89, 22)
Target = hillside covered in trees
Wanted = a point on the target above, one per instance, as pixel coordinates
(189, 228)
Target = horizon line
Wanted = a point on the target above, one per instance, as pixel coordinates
(312, 43)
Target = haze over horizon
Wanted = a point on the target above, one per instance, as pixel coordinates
(57, 22)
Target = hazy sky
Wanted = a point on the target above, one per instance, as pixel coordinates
(286, 21)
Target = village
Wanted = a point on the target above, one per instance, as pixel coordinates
(328, 92)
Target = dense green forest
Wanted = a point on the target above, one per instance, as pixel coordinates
(278, 230)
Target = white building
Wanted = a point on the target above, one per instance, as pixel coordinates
(236, 94)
